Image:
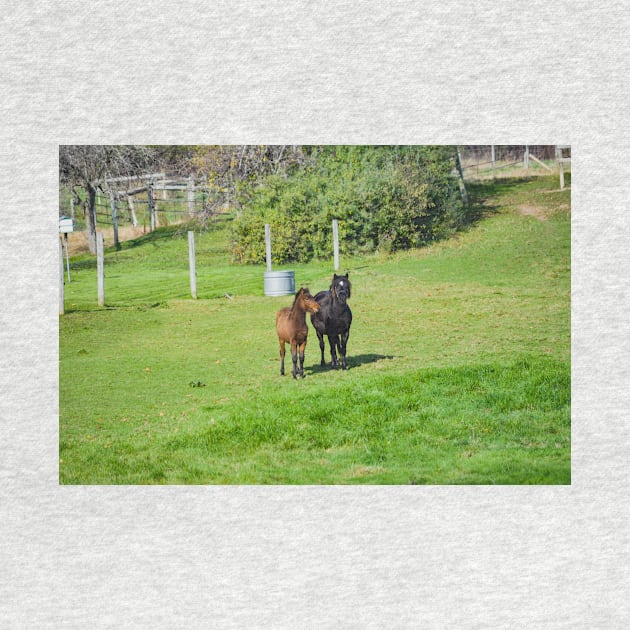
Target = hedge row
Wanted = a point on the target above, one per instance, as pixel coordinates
(385, 198)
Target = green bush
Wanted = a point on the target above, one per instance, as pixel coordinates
(385, 198)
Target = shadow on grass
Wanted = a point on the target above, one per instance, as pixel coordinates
(88, 261)
(151, 237)
(351, 361)
(93, 308)
(488, 196)
(481, 192)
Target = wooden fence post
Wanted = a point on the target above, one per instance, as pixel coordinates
(460, 170)
(192, 264)
(533, 157)
(67, 255)
(560, 161)
(526, 157)
(335, 231)
(100, 268)
(115, 221)
(268, 245)
(191, 195)
(61, 288)
(132, 211)
(151, 207)
(493, 159)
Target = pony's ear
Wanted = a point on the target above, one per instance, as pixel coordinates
(346, 274)
(335, 276)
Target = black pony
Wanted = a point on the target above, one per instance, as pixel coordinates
(334, 318)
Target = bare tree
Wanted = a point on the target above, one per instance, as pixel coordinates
(91, 166)
(230, 169)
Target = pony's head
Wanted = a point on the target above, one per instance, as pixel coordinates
(306, 300)
(341, 288)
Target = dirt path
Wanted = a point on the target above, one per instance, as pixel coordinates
(532, 211)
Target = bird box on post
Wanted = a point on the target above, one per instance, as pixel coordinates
(65, 225)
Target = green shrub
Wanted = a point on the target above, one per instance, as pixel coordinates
(385, 198)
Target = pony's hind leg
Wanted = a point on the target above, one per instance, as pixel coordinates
(302, 348)
(333, 340)
(322, 346)
(342, 348)
(282, 351)
(294, 357)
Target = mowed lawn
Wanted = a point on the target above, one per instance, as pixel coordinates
(459, 362)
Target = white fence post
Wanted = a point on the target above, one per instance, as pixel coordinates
(268, 245)
(61, 295)
(192, 265)
(67, 255)
(191, 195)
(100, 268)
(460, 171)
(560, 159)
(335, 231)
(152, 221)
(132, 211)
(533, 157)
(115, 220)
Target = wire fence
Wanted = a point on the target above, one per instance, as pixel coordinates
(137, 211)
(178, 200)
(148, 208)
(479, 161)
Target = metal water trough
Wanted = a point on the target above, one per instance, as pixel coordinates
(279, 282)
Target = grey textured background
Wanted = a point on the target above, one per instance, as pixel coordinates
(317, 72)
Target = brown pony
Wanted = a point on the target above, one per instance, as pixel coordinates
(291, 327)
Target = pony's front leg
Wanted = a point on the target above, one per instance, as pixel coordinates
(342, 349)
(282, 351)
(302, 348)
(322, 346)
(294, 356)
(333, 340)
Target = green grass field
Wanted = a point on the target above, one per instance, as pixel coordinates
(459, 359)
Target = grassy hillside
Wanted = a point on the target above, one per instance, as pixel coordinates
(459, 359)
